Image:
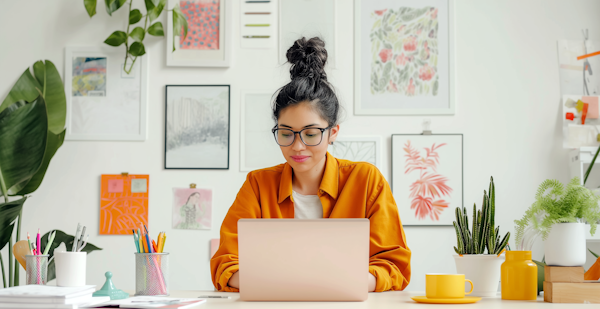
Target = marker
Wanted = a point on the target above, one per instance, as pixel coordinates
(256, 36)
(258, 13)
(257, 25)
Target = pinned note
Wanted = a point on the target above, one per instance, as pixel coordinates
(115, 185)
(139, 185)
(592, 112)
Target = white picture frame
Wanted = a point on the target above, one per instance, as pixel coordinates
(201, 58)
(358, 148)
(427, 177)
(308, 18)
(122, 112)
(256, 123)
(432, 90)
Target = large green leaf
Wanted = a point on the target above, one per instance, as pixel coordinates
(134, 16)
(23, 134)
(157, 10)
(113, 5)
(8, 214)
(26, 89)
(90, 7)
(137, 49)
(156, 29)
(62, 237)
(53, 143)
(53, 92)
(138, 34)
(179, 23)
(116, 38)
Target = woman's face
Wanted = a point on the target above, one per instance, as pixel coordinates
(299, 156)
(195, 198)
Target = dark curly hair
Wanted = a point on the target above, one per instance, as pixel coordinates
(309, 81)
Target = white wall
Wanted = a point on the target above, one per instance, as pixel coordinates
(507, 95)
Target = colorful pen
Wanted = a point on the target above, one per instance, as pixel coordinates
(38, 244)
(29, 242)
(50, 241)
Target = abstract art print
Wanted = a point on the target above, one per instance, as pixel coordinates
(197, 127)
(358, 148)
(89, 76)
(403, 57)
(207, 42)
(192, 208)
(427, 177)
(103, 102)
(203, 24)
(123, 203)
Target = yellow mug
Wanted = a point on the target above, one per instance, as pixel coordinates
(446, 285)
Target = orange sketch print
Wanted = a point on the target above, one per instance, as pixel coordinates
(123, 203)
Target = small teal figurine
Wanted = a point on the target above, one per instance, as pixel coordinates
(109, 289)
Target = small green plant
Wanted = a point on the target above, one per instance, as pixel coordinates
(135, 48)
(555, 203)
(483, 233)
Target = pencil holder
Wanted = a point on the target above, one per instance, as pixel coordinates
(152, 274)
(36, 268)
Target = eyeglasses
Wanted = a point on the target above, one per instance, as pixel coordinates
(309, 136)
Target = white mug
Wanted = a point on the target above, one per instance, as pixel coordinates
(70, 268)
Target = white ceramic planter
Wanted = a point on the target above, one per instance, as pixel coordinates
(565, 245)
(483, 270)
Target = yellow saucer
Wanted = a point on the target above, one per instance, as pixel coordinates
(466, 300)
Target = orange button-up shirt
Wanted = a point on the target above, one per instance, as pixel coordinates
(347, 190)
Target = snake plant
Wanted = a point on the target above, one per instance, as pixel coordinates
(483, 232)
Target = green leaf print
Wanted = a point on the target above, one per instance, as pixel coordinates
(435, 87)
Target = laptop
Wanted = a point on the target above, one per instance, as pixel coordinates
(303, 260)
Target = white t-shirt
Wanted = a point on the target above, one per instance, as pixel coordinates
(307, 206)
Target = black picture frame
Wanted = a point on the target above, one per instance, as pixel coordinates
(216, 139)
(462, 193)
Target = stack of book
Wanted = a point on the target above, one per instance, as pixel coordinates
(44, 296)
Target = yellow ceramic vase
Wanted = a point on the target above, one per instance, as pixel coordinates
(519, 276)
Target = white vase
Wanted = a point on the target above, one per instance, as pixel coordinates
(483, 270)
(565, 245)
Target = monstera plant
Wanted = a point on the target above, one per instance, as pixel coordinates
(32, 128)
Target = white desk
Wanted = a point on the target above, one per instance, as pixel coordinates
(395, 300)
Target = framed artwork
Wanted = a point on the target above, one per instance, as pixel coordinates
(192, 208)
(427, 177)
(307, 18)
(123, 203)
(404, 57)
(208, 42)
(258, 24)
(197, 127)
(358, 148)
(103, 102)
(258, 148)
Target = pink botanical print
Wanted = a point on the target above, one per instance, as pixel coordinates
(430, 191)
(203, 17)
(404, 49)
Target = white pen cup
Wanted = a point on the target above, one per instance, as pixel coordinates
(70, 268)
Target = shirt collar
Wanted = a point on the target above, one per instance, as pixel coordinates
(329, 182)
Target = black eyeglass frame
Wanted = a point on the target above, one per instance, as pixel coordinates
(275, 128)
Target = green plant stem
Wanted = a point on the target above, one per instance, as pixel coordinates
(127, 40)
(3, 274)
(589, 169)
(10, 262)
(17, 239)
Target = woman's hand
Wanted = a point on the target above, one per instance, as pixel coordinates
(234, 281)
(372, 282)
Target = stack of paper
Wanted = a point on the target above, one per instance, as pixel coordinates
(151, 302)
(43, 296)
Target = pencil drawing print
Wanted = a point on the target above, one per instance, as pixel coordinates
(354, 151)
(192, 208)
(197, 127)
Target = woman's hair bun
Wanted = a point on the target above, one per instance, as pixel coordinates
(308, 58)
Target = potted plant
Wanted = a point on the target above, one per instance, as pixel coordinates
(32, 128)
(559, 214)
(482, 269)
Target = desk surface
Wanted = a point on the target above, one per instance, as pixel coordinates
(376, 300)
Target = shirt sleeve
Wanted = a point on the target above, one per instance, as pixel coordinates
(389, 258)
(225, 262)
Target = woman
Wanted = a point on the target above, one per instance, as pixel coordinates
(314, 184)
